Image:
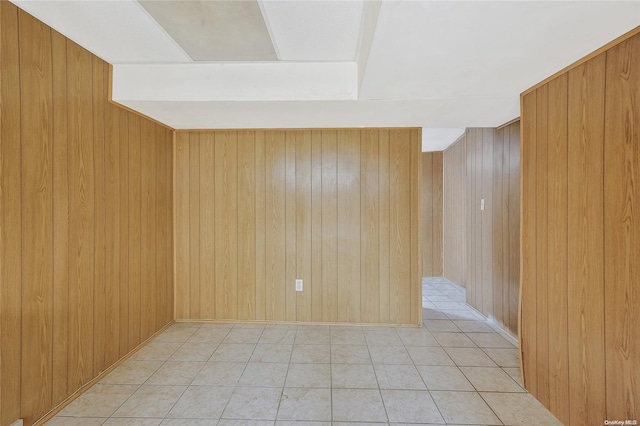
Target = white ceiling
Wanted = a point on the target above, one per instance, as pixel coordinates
(440, 65)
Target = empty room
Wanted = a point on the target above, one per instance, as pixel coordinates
(319, 212)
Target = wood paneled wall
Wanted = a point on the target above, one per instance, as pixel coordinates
(339, 209)
(454, 228)
(432, 214)
(580, 337)
(86, 232)
(482, 246)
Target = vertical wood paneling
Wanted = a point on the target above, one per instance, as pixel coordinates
(275, 178)
(37, 304)
(329, 226)
(437, 206)
(246, 226)
(207, 233)
(99, 101)
(586, 241)
(226, 241)
(60, 219)
(11, 217)
(427, 214)
(316, 226)
(486, 290)
(309, 204)
(499, 265)
(622, 230)
(134, 231)
(194, 224)
(349, 226)
(454, 212)
(290, 226)
(542, 245)
(557, 251)
(370, 222)
(147, 228)
(513, 183)
(82, 215)
(124, 231)
(182, 226)
(303, 200)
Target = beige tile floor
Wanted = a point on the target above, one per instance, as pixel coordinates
(457, 370)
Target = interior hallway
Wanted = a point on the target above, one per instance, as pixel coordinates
(457, 369)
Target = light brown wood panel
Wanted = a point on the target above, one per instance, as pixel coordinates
(134, 231)
(438, 214)
(182, 281)
(432, 214)
(303, 225)
(500, 216)
(124, 231)
(622, 229)
(415, 173)
(586, 242)
(194, 223)
(487, 281)
(11, 217)
(148, 202)
(64, 183)
(583, 364)
(349, 226)
(542, 244)
(246, 226)
(557, 251)
(37, 304)
(512, 181)
(370, 222)
(207, 233)
(226, 214)
(384, 192)
(329, 226)
(528, 275)
(454, 213)
(261, 224)
(82, 215)
(316, 226)
(275, 178)
(290, 226)
(309, 204)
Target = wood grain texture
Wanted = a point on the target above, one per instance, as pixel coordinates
(437, 233)
(64, 183)
(194, 223)
(11, 217)
(134, 231)
(309, 204)
(578, 267)
(454, 213)
(622, 230)
(586, 241)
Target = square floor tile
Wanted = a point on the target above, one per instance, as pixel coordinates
(491, 379)
(350, 354)
(132, 421)
(347, 336)
(442, 377)
(433, 314)
(358, 405)
(504, 357)
(453, 340)
(264, 374)
(75, 421)
(219, 374)
(131, 373)
(441, 326)
(399, 377)
(490, 340)
(429, 355)
(284, 335)
(189, 422)
(194, 352)
(237, 352)
(313, 335)
(311, 354)
(175, 373)
(99, 401)
(389, 355)
(382, 337)
(208, 335)
(271, 352)
(243, 335)
(202, 402)
(156, 351)
(464, 408)
(410, 406)
(151, 401)
(471, 326)
(519, 409)
(309, 376)
(253, 403)
(470, 357)
(353, 376)
(305, 404)
(175, 334)
(417, 337)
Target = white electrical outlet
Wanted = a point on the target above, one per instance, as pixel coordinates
(298, 285)
(482, 204)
